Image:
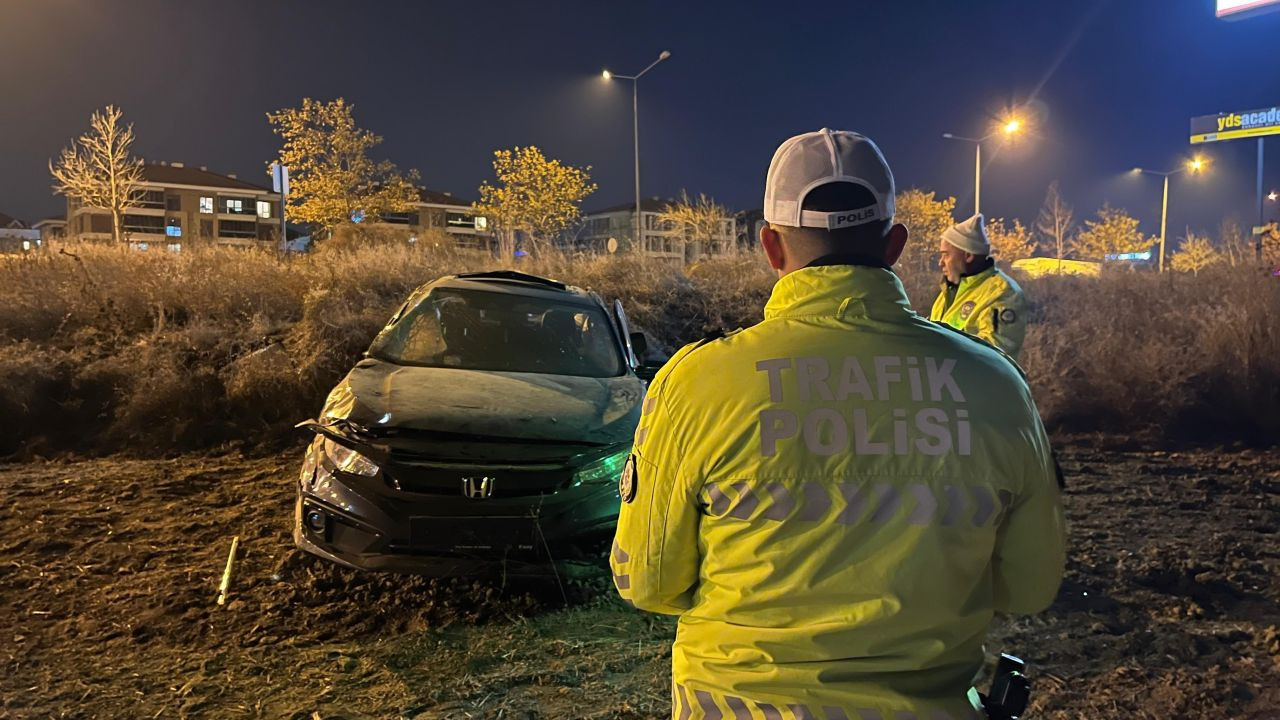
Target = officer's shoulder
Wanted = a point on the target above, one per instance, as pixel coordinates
(1006, 282)
(712, 341)
(978, 343)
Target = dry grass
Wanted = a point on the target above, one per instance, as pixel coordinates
(109, 349)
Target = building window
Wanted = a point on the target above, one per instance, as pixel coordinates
(206, 205)
(400, 218)
(264, 209)
(482, 223)
(175, 247)
(234, 206)
(173, 227)
(459, 220)
(144, 224)
(206, 228)
(173, 203)
(237, 229)
(151, 199)
(100, 224)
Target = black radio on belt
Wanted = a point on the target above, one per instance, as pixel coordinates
(1010, 690)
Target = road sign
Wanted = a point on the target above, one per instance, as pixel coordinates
(1235, 125)
(280, 178)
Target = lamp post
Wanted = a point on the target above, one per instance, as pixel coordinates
(635, 124)
(1193, 166)
(1009, 128)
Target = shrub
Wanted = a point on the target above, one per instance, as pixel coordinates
(109, 349)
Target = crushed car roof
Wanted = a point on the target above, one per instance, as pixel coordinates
(515, 283)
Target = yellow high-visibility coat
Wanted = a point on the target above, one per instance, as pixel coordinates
(988, 305)
(835, 502)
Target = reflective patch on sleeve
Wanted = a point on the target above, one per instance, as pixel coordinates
(1007, 315)
(619, 555)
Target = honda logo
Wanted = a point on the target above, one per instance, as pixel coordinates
(477, 488)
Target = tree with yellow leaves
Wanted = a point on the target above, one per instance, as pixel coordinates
(332, 179)
(98, 170)
(926, 218)
(534, 195)
(1010, 243)
(1113, 233)
(1195, 254)
(700, 221)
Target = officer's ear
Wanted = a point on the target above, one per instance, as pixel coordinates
(895, 243)
(771, 241)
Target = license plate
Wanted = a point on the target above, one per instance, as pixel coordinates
(474, 533)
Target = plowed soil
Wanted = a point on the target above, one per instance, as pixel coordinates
(109, 573)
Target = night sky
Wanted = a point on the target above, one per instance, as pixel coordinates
(1114, 84)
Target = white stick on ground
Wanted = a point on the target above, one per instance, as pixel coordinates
(226, 574)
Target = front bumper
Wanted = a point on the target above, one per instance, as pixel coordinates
(364, 523)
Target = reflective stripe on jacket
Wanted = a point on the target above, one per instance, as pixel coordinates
(835, 502)
(988, 305)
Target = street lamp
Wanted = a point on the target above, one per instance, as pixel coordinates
(635, 126)
(1273, 196)
(1009, 128)
(1193, 165)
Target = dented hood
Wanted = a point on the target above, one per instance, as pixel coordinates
(519, 406)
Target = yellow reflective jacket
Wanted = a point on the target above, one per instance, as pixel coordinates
(835, 502)
(987, 304)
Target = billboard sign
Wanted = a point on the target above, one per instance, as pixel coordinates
(1234, 9)
(1233, 126)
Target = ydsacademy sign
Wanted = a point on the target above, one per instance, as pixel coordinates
(1234, 126)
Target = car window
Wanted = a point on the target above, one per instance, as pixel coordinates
(501, 332)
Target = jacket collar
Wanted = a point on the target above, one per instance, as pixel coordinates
(839, 290)
(977, 277)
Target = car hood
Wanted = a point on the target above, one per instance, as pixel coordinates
(518, 406)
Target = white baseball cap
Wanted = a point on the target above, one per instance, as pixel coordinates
(816, 158)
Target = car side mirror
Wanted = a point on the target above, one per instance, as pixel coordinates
(639, 345)
(647, 372)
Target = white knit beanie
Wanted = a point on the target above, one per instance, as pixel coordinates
(970, 236)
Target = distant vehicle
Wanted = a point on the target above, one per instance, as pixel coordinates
(487, 425)
(1041, 266)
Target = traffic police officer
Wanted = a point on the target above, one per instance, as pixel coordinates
(977, 297)
(836, 501)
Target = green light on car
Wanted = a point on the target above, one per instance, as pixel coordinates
(605, 470)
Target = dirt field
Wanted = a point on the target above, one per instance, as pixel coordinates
(109, 572)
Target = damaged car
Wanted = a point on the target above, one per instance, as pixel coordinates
(486, 425)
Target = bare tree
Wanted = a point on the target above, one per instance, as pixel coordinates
(98, 171)
(1236, 246)
(698, 221)
(1054, 224)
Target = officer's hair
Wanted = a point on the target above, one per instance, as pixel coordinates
(869, 239)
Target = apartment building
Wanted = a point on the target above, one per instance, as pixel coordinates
(656, 240)
(442, 211)
(180, 205)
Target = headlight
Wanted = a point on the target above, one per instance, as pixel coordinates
(348, 460)
(605, 470)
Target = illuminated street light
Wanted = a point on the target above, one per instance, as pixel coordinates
(1193, 165)
(635, 123)
(1008, 128)
(1273, 196)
